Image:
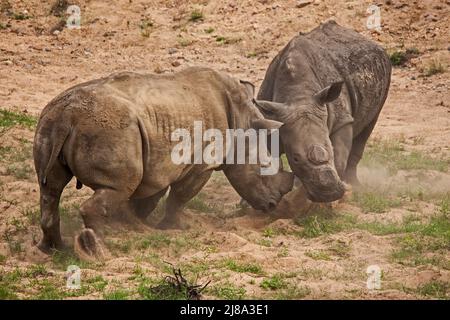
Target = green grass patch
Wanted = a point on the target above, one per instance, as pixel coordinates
(391, 154)
(196, 15)
(274, 283)
(20, 16)
(294, 292)
(154, 241)
(401, 57)
(118, 294)
(62, 259)
(318, 255)
(198, 204)
(49, 291)
(374, 201)
(318, 225)
(6, 293)
(98, 283)
(12, 118)
(427, 243)
(435, 289)
(243, 267)
(228, 291)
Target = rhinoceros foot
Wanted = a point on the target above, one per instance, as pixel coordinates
(47, 247)
(172, 224)
(89, 247)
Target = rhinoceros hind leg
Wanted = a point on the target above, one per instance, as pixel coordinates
(356, 153)
(89, 247)
(103, 208)
(180, 193)
(50, 194)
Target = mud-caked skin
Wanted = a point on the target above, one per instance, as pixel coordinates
(328, 87)
(114, 135)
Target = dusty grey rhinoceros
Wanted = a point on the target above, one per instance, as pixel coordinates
(114, 135)
(328, 87)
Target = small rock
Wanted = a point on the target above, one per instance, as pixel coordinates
(56, 32)
(176, 63)
(8, 62)
(172, 50)
(303, 3)
(413, 78)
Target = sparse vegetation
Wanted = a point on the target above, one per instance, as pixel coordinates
(228, 291)
(12, 118)
(392, 155)
(118, 294)
(370, 201)
(225, 40)
(426, 243)
(294, 293)
(434, 67)
(20, 16)
(197, 203)
(154, 241)
(243, 267)
(318, 254)
(274, 283)
(196, 15)
(317, 225)
(146, 26)
(400, 58)
(184, 42)
(435, 289)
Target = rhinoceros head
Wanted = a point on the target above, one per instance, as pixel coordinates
(305, 138)
(262, 192)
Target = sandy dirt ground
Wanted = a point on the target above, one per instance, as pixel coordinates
(399, 221)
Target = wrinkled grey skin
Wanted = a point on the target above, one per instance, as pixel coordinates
(114, 135)
(327, 87)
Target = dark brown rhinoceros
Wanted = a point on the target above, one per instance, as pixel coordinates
(114, 135)
(328, 87)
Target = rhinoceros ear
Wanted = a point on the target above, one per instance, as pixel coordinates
(270, 109)
(328, 94)
(249, 86)
(266, 124)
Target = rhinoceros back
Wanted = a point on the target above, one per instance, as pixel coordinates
(343, 54)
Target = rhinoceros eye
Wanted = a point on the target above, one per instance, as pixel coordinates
(318, 154)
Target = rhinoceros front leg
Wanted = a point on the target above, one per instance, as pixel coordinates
(143, 207)
(180, 193)
(342, 144)
(359, 144)
(102, 208)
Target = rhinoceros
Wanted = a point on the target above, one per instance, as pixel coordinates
(114, 135)
(327, 87)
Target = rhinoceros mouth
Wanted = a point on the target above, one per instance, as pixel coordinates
(326, 196)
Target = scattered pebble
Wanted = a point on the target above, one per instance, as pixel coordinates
(303, 3)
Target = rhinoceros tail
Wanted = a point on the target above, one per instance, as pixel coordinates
(59, 136)
(145, 144)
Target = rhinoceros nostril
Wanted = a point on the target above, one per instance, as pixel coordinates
(318, 154)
